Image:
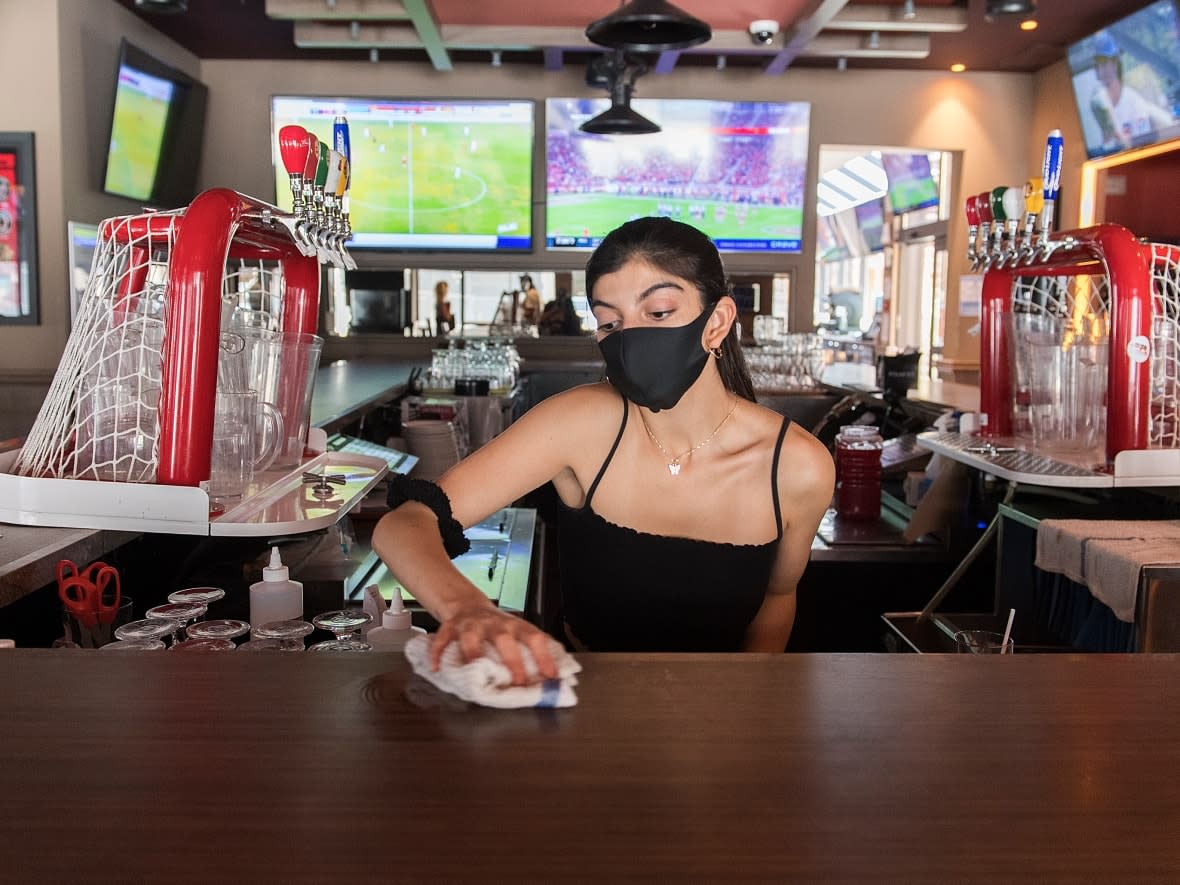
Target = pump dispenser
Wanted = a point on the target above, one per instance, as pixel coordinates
(276, 597)
(397, 627)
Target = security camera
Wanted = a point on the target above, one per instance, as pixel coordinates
(762, 31)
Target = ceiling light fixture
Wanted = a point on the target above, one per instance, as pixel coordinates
(907, 10)
(841, 64)
(958, 67)
(874, 41)
(621, 72)
(497, 58)
(1029, 24)
(721, 62)
(354, 29)
(162, 6)
(1010, 7)
(648, 26)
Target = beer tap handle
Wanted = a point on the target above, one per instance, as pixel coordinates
(1050, 187)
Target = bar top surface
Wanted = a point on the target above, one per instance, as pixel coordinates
(810, 768)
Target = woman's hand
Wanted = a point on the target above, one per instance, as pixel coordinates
(472, 626)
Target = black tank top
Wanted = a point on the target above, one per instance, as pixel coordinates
(626, 590)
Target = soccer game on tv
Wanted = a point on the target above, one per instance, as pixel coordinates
(142, 103)
(735, 170)
(426, 174)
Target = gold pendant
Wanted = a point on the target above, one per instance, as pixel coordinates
(674, 467)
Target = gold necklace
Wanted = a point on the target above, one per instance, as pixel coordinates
(674, 464)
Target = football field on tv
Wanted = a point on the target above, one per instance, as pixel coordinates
(434, 177)
(136, 136)
(595, 215)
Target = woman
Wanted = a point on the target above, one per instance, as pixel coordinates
(530, 305)
(688, 510)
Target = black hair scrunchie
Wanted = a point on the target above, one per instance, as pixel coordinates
(403, 488)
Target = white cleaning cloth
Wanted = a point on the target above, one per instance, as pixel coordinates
(487, 682)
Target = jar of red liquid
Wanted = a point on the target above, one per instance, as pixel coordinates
(858, 473)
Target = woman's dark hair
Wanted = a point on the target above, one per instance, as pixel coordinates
(683, 251)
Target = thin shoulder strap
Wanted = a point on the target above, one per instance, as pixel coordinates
(610, 454)
(778, 448)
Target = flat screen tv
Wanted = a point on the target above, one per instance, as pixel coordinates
(1126, 79)
(157, 124)
(870, 218)
(734, 169)
(426, 174)
(911, 183)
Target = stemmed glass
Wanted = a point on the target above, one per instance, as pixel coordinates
(199, 595)
(147, 630)
(204, 645)
(289, 633)
(342, 624)
(180, 612)
(266, 645)
(135, 644)
(218, 629)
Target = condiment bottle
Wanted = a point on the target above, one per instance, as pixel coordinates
(396, 628)
(858, 473)
(276, 597)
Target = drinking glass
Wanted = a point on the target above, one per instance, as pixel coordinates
(147, 629)
(342, 624)
(200, 595)
(180, 612)
(218, 629)
(983, 642)
(266, 645)
(135, 644)
(203, 645)
(246, 438)
(289, 633)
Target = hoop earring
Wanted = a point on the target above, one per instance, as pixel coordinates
(716, 352)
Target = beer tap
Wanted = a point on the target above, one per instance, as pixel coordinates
(293, 149)
(984, 203)
(972, 229)
(1033, 202)
(328, 233)
(313, 157)
(1051, 186)
(1013, 207)
(999, 217)
(343, 143)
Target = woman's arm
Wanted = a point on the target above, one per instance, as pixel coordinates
(527, 454)
(806, 479)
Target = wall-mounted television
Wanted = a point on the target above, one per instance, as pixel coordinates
(436, 174)
(1126, 79)
(157, 124)
(870, 218)
(734, 169)
(911, 182)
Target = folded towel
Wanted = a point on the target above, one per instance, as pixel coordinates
(1113, 566)
(487, 682)
(1062, 543)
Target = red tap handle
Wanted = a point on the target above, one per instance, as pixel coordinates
(972, 212)
(312, 159)
(983, 203)
(293, 148)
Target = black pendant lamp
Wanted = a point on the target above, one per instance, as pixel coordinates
(620, 119)
(648, 26)
(618, 73)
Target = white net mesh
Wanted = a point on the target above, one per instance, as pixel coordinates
(1164, 429)
(99, 419)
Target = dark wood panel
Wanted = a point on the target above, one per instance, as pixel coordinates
(812, 768)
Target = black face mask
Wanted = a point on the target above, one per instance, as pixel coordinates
(653, 367)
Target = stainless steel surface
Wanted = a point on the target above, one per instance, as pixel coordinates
(1004, 459)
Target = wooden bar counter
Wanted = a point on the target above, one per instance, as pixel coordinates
(841, 768)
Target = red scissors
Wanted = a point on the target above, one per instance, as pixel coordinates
(88, 593)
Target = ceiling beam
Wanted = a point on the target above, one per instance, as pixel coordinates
(310, 35)
(927, 19)
(803, 33)
(349, 10)
(857, 46)
(422, 16)
(553, 60)
(666, 63)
